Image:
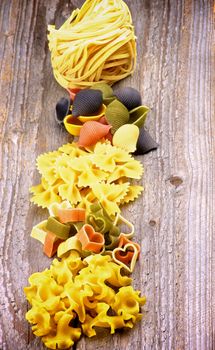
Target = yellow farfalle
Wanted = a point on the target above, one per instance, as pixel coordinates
(100, 170)
(46, 198)
(132, 169)
(46, 166)
(72, 150)
(133, 192)
(109, 195)
(87, 174)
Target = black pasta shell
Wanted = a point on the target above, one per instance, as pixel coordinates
(62, 109)
(129, 96)
(145, 143)
(87, 102)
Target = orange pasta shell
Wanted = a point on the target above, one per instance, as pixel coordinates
(72, 93)
(91, 132)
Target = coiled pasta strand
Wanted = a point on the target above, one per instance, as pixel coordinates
(96, 43)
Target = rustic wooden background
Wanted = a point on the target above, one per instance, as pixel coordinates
(174, 218)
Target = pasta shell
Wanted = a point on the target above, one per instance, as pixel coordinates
(109, 137)
(96, 116)
(108, 100)
(62, 109)
(138, 115)
(106, 90)
(90, 240)
(103, 120)
(117, 115)
(126, 137)
(72, 93)
(145, 143)
(129, 96)
(72, 125)
(87, 102)
(91, 132)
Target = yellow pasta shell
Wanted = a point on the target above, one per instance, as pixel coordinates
(126, 137)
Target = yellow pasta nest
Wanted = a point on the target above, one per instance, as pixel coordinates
(75, 296)
(96, 43)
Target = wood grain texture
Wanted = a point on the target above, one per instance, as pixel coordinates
(173, 219)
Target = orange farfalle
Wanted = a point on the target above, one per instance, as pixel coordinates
(51, 244)
(90, 240)
(71, 215)
(91, 132)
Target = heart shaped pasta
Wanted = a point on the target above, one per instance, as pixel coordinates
(90, 240)
(128, 223)
(123, 240)
(126, 257)
(71, 215)
(71, 243)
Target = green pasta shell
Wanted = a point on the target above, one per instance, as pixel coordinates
(108, 100)
(117, 115)
(106, 90)
(138, 115)
(60, 230)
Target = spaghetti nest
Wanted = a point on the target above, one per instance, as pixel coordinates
(96, 43)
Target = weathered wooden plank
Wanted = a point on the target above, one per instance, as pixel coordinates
(174, 218)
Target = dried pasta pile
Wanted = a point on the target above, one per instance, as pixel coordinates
(84, 184)
(96, 43)
(84, 176)
(76, 296)
(83, 189)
